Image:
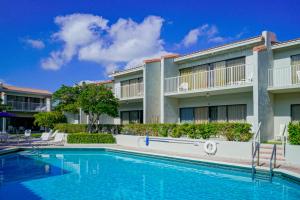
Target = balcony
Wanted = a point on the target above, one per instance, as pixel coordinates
(27, 106)
(285, 79)
(130, 91)
(215, 81)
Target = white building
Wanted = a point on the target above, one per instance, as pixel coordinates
(254, 80)
(24, 103)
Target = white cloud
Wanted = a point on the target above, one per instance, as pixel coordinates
(37, 44)
(209, 33)
(90, 38)
(205, 31)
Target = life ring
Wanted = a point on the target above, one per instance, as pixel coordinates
(210, 147)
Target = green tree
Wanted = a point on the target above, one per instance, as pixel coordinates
(4, 107)
(66, 99)
(49, 119)
(96, 100)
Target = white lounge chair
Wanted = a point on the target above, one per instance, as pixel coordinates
(59, 139)
(43, 140)
(282, 131)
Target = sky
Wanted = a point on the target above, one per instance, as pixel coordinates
(44, 44)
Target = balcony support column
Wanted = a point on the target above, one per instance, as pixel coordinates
(262, 100)
(48, 104)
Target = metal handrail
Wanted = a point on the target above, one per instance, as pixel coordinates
(273, 164)
(255, 149)
(256, 136)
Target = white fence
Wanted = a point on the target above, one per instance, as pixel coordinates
(284, 76)
(223, 77)
(27, 106)
(135, 90)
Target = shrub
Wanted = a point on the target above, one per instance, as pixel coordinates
(91, 138)
(294, 133)
(49, 119)
(71, 128)
(232, 131)
(80, 128)
(236, 131)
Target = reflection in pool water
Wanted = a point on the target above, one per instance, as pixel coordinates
(98, 174)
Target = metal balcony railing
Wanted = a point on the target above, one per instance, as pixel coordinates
(130, 91)
(284, 76)
(218, 78)
(27, 106)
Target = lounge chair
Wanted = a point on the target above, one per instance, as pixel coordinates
(43, 140)
(59, 139)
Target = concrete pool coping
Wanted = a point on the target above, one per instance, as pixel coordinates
(233, 164)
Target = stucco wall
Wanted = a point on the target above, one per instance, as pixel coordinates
(239, 150)
(169, 105)
(292, 154)
(282, 58)
(247, 52)
(282, 109)
(229, 99)
(152, 91)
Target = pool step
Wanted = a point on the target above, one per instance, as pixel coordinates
(266, 153)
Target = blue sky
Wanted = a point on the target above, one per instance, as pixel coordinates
(48, 43)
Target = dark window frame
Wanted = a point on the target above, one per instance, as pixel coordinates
(293, 105)
(140, 115)
(209, 107)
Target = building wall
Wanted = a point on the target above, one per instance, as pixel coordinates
(282, 109)
(152, 88)
(229, 99)
(169, 106)
(282, 58)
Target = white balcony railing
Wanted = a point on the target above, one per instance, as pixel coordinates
(27, 106)
(284, 76)
(218, 78)
(130, 91)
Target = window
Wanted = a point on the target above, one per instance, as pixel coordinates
(237, 113)
(187, 115)
(132, 117)
(227, 113)
(295, 62)
(132, 87)
(295, 112)
(216, 74)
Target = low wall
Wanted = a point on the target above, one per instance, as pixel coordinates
(237, 150)
(292, 154)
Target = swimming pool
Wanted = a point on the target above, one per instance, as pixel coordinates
(100, 174)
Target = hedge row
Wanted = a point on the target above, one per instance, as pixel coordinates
(231, 131)
(81, 128)
(91, 138)
(294, 133)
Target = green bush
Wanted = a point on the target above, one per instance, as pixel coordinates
(49, 119)
(236, 131)
(91, 138)
(80, 128)
(71, 128)
(294, 133)
(231, 131)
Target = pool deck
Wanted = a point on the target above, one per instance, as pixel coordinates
(289, 170)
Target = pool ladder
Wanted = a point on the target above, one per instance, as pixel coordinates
(255, 150)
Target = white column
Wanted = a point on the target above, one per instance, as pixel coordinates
(48, 104)
(4, 98)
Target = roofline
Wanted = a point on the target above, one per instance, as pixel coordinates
(152, 60)
(224, 47)
(126, 71)
(287, 43)
(22, 90)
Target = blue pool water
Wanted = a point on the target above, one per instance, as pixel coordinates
(99, 174)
